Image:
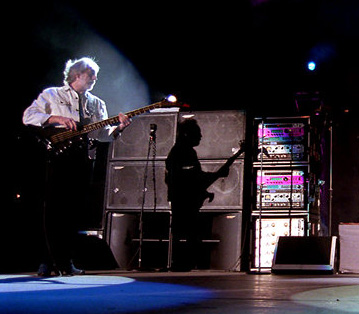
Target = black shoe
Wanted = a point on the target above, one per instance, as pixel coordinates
(44, 270)
(73, 271)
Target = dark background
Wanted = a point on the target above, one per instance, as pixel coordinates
(247, 55)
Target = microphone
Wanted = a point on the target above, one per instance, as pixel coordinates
(153, 129)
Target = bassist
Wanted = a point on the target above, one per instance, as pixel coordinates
(67, 187)
(72, 104)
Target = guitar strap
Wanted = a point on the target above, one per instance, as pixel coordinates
(90, 151)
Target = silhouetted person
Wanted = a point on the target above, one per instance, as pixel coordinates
(187, 190)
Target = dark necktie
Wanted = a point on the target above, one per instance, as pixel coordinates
(81, 108)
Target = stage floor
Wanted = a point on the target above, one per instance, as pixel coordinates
(198, 292)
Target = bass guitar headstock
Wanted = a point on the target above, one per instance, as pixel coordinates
(237, 152)
(172, 101)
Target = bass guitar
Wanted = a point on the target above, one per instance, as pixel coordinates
(58, 140)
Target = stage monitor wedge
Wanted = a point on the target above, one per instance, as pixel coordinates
(304, 254)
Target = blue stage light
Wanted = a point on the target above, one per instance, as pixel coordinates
(93, 294)
(311, 65)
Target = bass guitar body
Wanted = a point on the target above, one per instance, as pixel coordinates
(52, 139)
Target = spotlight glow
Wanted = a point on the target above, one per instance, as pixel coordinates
(311, 66)
(335, 299)
(93, 294)
(171, 98)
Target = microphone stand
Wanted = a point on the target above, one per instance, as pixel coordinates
(261, 140)
(291, 181)
(151, 143)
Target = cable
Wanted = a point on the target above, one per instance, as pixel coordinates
(154, 173)
(151, 145)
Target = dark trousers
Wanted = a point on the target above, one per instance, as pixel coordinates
(185, 240)
(65, 205)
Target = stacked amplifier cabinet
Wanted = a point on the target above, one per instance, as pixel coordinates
(281, 175)
(136, 207)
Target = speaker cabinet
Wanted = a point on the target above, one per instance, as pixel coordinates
(123, 237)
(228, 192)
(121, 229)
(226, 254)
(220, 236)
(219, 246)
(125, 185)
(221, 130)
(133, 143)
(304, 254)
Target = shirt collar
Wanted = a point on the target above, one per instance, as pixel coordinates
(68, 88)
